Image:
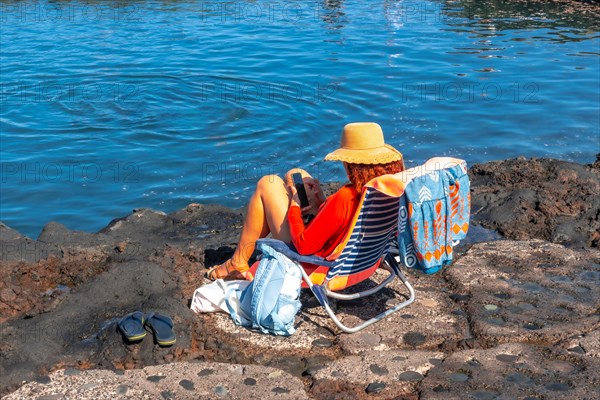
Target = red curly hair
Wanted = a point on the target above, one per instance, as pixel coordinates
(359, 174)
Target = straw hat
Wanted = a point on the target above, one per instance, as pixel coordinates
(362, 143)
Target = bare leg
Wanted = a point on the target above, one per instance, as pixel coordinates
(267, 213)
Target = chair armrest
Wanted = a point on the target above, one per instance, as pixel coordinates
(289, 251)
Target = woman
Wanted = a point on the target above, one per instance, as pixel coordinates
(275, 207)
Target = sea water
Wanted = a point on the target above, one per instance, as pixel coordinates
(110, 106)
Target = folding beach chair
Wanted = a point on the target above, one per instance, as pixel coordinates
(372, 234)
(371, 242)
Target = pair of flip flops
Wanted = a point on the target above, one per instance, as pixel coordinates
(133, 325)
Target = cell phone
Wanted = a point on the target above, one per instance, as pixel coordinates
(299, 184)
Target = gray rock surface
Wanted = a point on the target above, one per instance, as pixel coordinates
(509, 319)
(182, 380)
(542, 198)
(513, 371)
(528, 291)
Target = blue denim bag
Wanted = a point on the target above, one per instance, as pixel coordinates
(272, 300)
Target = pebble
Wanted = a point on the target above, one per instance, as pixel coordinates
(565, 298)
(491, 307)
(519, 379)
(280, 390)
(375, 387)
(322, 342)
(526, 306)
(238, 370)
(220, 391)
(580, 289)
(531, 326)
(459, 297)
(430, 303)
(533, 287)
(122, 389)
(250, 382)
(88, 386)
(166, 394)
(322, 331)
(377, 370)
(414, 338)
(514, 309)
(410, 376)
(206, 372)
(590, 276)
(560, 278)
(458, 377)
(562, 366)
(186, 384)
(558, 387)
(156, 378)
(506, 358)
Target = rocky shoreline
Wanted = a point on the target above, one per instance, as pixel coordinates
(511, 318)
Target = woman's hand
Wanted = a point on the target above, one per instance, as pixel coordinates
(295, 200)
(314, 193)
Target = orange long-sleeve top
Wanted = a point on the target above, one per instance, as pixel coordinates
(327, 229)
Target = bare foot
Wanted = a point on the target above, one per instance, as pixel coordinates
(227, 271)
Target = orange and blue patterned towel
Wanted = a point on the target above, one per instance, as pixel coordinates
(434, 214)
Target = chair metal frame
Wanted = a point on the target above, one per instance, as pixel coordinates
(322, 294)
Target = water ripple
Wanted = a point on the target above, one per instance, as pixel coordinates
(156, 104)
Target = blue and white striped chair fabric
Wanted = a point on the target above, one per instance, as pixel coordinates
(371, 237)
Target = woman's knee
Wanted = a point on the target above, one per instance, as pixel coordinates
(267, 182)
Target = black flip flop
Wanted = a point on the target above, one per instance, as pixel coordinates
(132, 326)
(162, 328)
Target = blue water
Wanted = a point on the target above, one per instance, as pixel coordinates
(110, 106)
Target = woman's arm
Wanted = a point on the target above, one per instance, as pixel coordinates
(331, 218)
(309, 240)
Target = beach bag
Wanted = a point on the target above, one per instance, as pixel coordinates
(211, 297)
(434, 217)
(272, 300)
